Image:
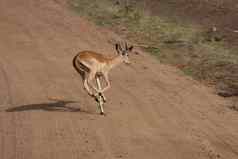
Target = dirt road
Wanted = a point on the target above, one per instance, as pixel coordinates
(153, 111)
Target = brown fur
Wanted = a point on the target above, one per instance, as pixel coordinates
(87, 55)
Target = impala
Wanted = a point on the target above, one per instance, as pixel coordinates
(90, 64)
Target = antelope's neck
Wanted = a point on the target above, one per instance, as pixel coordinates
(115, 61)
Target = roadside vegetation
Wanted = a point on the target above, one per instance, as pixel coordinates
(199, 53)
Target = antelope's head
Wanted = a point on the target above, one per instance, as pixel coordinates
(123, 51)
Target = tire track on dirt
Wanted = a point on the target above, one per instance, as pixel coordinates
(105, 145)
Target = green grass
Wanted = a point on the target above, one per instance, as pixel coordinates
(151, 29)
(154, 50)
(172, 42)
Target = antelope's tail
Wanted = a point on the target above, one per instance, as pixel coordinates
(75, 64)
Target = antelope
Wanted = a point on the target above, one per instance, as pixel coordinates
(90, 64)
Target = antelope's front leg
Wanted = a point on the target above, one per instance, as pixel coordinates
(108, 83)
(100, 93)
(103, 97)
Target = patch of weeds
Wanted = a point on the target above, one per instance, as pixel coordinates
(188, 71)
(154, 50)
(141, 26)
(101, 12)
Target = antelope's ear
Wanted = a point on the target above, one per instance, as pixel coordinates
(131, 48)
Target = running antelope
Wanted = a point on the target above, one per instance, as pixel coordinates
(90, 64)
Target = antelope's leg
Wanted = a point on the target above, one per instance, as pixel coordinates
(100, 89)
(85, 83)
(100, 96)
(90, 79)
(108, 83)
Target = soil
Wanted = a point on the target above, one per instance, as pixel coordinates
(153, 110)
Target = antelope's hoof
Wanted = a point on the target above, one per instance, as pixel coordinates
(96, 99)
(102, 113)
(98, 95)
(91, 94)
(102, 95)
(104, 98)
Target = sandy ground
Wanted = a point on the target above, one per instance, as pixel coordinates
(153, 110)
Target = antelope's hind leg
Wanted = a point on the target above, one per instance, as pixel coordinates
(90, 79)
(85, 83)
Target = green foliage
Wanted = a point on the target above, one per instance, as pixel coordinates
(153, 50)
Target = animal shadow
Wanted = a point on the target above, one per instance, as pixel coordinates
(56, 105)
